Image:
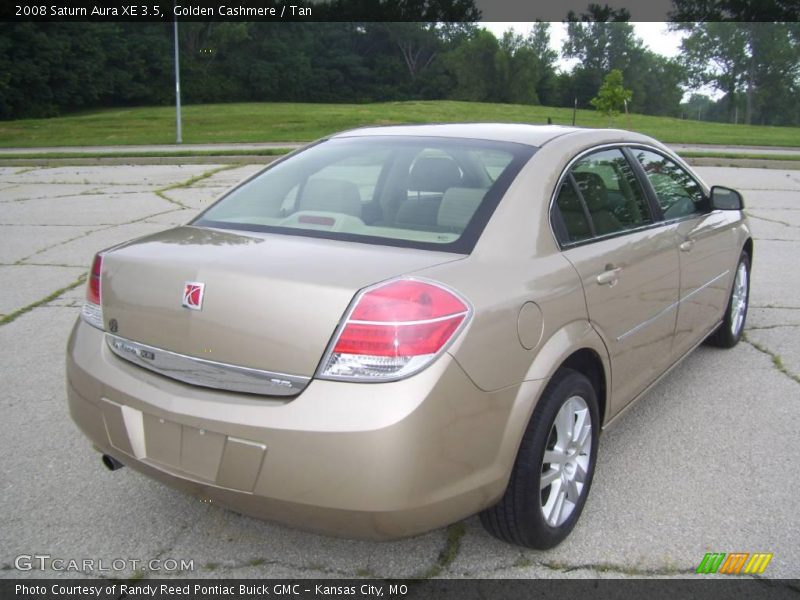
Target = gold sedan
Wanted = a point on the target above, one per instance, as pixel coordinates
(395, 328)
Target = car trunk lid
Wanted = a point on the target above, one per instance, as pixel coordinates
(269, 302)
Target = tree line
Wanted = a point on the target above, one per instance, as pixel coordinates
(47, 69)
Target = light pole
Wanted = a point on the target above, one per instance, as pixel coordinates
(178, 135)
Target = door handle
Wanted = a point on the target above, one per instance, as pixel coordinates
(686, 245)
(610, 276)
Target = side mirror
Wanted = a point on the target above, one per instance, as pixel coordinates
(723, 198)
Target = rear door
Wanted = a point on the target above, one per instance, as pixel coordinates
(705, 244)
(628, 264)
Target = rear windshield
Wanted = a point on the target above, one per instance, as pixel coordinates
(430, 193)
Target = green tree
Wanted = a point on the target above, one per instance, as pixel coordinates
(656, 83)
(773, 89)
(50, 68)
(473, 64)
(545, 57)
(763, 11)
(516, 70)
(715, 54)
(744, 48)
(612, 95)
(602, 40)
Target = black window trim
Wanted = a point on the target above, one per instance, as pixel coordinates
(658, 220)
(561, 224)
(584, 207)
(644, 182)
(651, 191)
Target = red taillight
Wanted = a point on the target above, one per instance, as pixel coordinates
(396, 340)
(395, 329)
(406, 300)
(93, 288)
(92, 311)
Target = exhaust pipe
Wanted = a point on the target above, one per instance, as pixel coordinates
(111, 463)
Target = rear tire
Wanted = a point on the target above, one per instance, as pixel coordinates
(730, 330)
(554, 467)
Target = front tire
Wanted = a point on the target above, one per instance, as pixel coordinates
(730, 330)
(554, 467)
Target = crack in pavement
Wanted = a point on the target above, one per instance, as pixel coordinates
(524, 562)
(775, 307)
(768, 189)
(89, 193)
(161, 193)
(259, 562)
(780, 208)
(84, 182)
(615, 568)
(163, 196)
(171, 210)
(103, 227)
(22, 261)
(447, 555)
(779, 222)
(9, 318)
(777, 362)
(72, 304)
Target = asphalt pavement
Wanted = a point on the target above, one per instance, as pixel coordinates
(706, 462)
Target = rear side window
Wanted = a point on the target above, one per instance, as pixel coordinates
(612, 194)
(601, 196)
(678, 194)
(430, 193)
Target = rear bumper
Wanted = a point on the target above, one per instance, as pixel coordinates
(360, 460)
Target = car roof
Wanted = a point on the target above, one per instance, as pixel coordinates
(520, 133)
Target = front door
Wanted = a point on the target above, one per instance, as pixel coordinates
(628, 265)
(704, 251)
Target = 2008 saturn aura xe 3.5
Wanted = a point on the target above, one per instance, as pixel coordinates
(398, 327)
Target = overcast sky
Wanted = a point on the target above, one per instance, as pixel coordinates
(655, 36)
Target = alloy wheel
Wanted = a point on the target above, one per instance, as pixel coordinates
(739, 299)
(566, 461)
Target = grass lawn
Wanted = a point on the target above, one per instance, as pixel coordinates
(285, 122)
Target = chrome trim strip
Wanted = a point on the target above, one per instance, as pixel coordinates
(649, 321)
(672, 306)
(206, 373)
(406, 323)
(705, 285)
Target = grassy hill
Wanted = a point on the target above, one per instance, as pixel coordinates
(286, 122)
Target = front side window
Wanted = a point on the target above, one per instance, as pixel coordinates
(430, 193)
(601, 196)
(678, 194)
